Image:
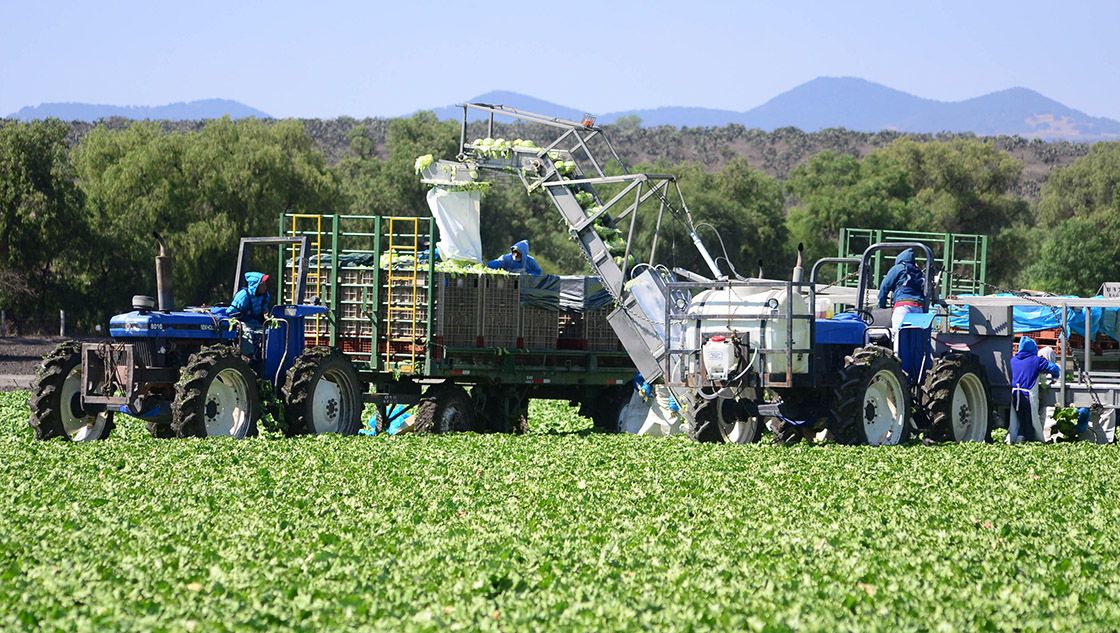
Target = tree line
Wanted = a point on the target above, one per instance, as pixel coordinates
(76, 219)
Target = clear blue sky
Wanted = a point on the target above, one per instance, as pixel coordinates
(323, 59)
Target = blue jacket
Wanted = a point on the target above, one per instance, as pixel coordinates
(904, 280)
(1027, 365)
(247, 305)
(527, 264)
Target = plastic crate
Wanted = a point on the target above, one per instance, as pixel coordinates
(500, 310)
(599, 334)
(540, 328)
(458, 316)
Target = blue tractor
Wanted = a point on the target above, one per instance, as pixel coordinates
(745, 353)
(198, 372)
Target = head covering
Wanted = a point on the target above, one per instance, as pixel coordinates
(1027, 347)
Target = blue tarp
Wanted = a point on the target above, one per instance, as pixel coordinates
(1033, 318)
(541, 291)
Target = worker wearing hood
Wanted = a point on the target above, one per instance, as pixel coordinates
(517, 260)
(251, 303)
(905, 284)
(1026, 367)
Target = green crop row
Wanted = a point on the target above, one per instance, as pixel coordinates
(560, 529)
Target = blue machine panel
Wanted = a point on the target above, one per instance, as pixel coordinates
(844, 329)
(147, 324)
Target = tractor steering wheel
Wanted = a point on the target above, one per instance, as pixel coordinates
(866, 316)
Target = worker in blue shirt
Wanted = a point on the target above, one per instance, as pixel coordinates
(1026, 367)
(905, 284)
(517, 260)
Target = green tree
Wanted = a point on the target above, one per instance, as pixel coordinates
(41, 225)
(1079, 214)
(834, 191)
(203, 191)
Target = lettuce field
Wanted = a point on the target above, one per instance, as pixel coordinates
(562, 529)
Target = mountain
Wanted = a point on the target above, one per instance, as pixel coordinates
(512, 99)
(183, 111)
(860, 105)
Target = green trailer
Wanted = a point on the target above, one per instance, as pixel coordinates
(461, 351)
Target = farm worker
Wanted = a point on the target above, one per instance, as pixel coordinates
(1026, 367)
(906, 286)
(252, 303)
(517, 260)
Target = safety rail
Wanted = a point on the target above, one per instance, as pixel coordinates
(964, 256)
(348, 276)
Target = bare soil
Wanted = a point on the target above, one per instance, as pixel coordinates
(20, 356)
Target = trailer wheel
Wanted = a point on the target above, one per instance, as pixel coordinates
(956, 397)
(501, 409)
(872, 403)
(445, 409)
(604, 406)
(216, 395)
(56, 399)
(724, 421)
(322, 393)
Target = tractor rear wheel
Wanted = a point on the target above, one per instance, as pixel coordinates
(445, 409)
(872, 403)
(724, 421)
(956, 397)
(216, 395)
(56, 399)
(322, 393)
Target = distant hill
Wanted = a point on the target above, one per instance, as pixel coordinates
(513, 99)
(863, 106)
(183, 111)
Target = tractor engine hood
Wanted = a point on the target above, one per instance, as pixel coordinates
(186, 324)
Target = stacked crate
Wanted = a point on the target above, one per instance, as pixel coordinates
(540, 311)
(500, 310)
(458, 310)
(584, 305)
(355, 286)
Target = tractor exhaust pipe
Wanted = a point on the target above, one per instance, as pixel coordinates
(165, 295)
(798, 270)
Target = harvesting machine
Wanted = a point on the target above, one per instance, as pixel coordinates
(197, 372)
(738, 351)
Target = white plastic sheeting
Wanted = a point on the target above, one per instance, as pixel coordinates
(650, 417)
(457, 217)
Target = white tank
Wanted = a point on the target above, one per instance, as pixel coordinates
(748, 309)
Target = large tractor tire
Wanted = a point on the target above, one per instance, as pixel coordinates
(216, 395)
(322, 394)
(56, 399)
(872, 403)
(724, 421)
(445, 409)
(501, 409)
(956, 399)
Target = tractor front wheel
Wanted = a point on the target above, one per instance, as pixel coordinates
(216, 395)
(322, 393)
(724, 421)
(56, 399)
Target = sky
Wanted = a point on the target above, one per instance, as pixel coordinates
(325, 59)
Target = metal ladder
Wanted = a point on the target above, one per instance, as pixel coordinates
(315, 277)
(402, 299)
